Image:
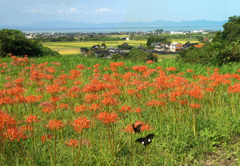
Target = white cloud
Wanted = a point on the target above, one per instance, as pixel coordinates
(63, 3)
(103, 10)
(60, 11)
(74, 10)
(33, 11)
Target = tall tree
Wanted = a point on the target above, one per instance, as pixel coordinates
(13, 41)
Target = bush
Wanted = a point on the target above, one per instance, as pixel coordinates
(151, 57)
(137, 55)
(116, 57)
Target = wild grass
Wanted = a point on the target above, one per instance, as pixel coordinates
(191, 109)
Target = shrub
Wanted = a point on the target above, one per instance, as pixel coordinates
(116, 57)
(151, 57)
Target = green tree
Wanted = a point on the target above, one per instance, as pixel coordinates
(137, 55)
(154, 39)
(159, 31)
(231, 30)
(13, 41)
(225, 47)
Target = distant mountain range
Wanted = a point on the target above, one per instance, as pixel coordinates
(75, 25)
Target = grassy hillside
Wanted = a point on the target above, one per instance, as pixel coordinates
(71, 110)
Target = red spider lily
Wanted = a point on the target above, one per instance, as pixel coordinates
(73, 142)
(155, 103)
(95, 107)
(195, 106)
(91, 97)
(46, 137)
(149, 61)
(216, 70)
(80, 66)
(96, 70)
(55, 99)
(235, 88)
(81, 123)
(189, 70)
(19, 81)
(33, 99)
(6, 121)
(144, 127)
(55, 124)
(77, 83)
(116, 64)
(96, 65)
(158, 67)
(26, 128)
(109, 101)
(50, 69)
(130, 91)
(14, 134)
(107, 118)
(162, 96)
(171, 69)
(55, 89)
(47, 110)
(125, 108)
(138, 110)
(138, 96)
(80, 108)
(183, 102)
(140, 68)
(63, 106)
(46, 104)
(209, 89)
(32, 118)
(56, 63)
(197, 92)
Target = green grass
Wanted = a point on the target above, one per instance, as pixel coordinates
(175, 143)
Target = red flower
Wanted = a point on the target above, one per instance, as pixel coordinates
(125, 108)
(46, 137)
(73, 142)
(95, 107)
(32, 118)
(63, 106)
(171, 69)
(81, 123)
(55, 124)
(194, 106)
(107, 118)
(80, 108)
(149, 61)
(138, 110)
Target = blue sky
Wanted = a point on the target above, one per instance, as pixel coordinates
(24, 12)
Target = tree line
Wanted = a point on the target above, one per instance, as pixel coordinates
(224, 48)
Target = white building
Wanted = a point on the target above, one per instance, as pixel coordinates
(176, 33)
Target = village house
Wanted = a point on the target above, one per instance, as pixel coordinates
(158, 46)
(84, 50)
(175, 47)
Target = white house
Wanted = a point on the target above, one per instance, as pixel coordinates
(176, 33)
(175, 46)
